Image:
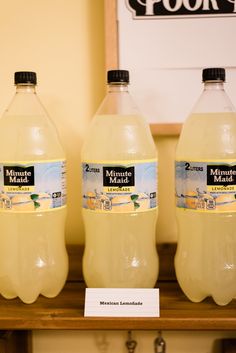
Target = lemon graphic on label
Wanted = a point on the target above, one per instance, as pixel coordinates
(91, 200)
(143, 201)
(5, 201)
(22, 203)
(226, 202)
(122, 203)
(44, 200)
(191, 199)
(130, 203)
(33, 202)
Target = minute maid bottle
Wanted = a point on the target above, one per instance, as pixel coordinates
(33, 258)
(119, 193)
(206, 195)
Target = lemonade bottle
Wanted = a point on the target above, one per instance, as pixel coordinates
(33, 257)
(119, 167)
(205, 261)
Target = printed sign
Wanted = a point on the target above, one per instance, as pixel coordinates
(122, 302)
(180, 8)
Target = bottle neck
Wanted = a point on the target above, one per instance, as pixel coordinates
(118, 101)
(214, 85)
(25, 88)
(213, 99)
(117, 87)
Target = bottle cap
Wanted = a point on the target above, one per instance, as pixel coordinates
(25, 77)
(118, 76)
(213, 74)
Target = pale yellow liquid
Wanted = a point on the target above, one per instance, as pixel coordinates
(33, 257)
(205, 261)
(120, 249)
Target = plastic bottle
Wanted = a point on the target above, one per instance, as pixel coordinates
(119, 193)
(205, 261)
(33, 257)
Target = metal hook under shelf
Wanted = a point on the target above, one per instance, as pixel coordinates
(159, 344)
(130, 343)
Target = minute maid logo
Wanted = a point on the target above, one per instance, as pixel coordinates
(118, 179)
(118, 176)
(18, 176)
(181, 8)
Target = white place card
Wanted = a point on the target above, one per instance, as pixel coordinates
(122, 302)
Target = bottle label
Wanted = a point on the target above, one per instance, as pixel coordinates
(32, 186)
(206, 186)
(123, 186)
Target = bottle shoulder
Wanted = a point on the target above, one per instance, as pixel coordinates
(26, 103)
(28, 138)
(213, 101)
(119, 136)
(27, 132)
(208, 135)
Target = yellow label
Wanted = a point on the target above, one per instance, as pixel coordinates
(118, 189)
(211, 188)
(122, 186)
(19, 188)
(206, 186)
(32, 186)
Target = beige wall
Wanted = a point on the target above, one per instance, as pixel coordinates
(166, 224)
(63, 41)
(114, 341)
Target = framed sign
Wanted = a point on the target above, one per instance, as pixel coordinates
(165, 44)
(184, 8)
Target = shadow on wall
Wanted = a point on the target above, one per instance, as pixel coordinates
(166, 224)
(91, 90)
(225, 345)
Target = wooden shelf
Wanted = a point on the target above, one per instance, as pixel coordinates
(66, 312)
(67, 309)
